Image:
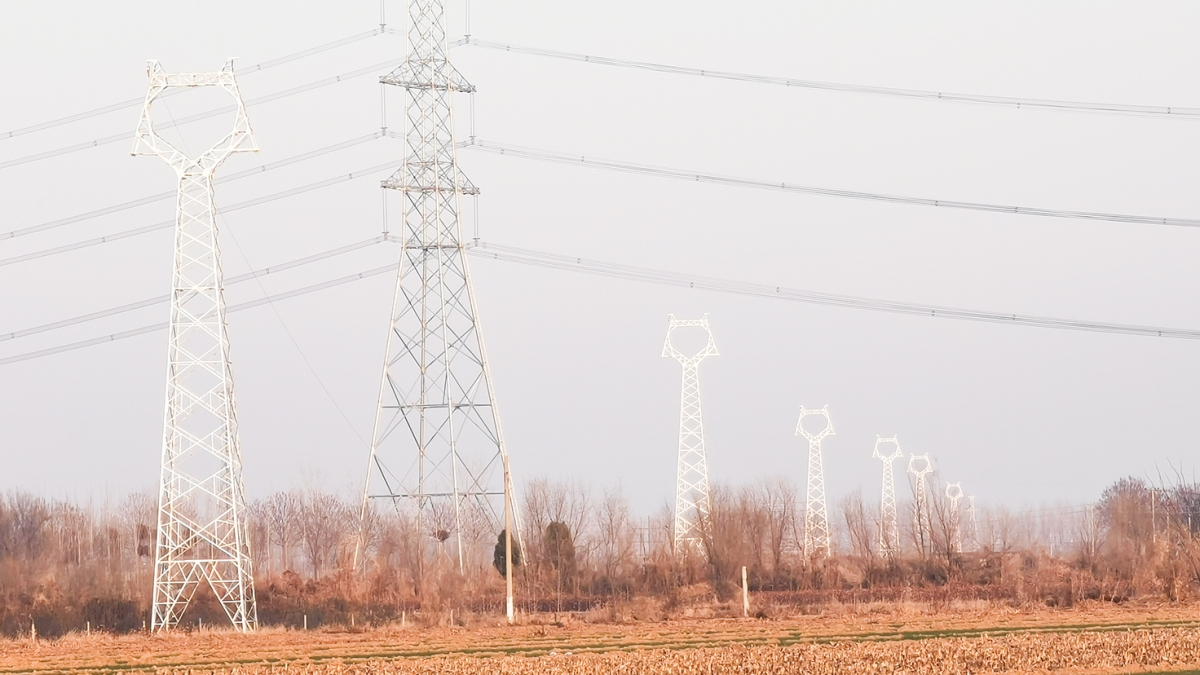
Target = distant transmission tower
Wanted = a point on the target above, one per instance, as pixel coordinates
(692, 499)
(437, 444)
(816, 516)
(889, 523)
(974, 541)
(954, 493)
(202, 534)
(921, 504)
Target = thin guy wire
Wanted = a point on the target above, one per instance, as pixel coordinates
(134, 102)
(1006, 101)
(732, 181)
(562, 262)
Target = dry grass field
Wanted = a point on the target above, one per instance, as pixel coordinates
(972, 639)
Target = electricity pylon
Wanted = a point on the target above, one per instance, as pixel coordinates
(921, 499)
(954, 493)
(974, 541)
(437, 445)
(692, 499)
(202, 534)
(816, 516)
(889, 524)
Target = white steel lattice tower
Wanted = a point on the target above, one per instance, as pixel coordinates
(889, 523)
(692, 499)
(974, 541)
(921, 497)
(954, 493)
(202, 534)
(437, 444)
(816, 516)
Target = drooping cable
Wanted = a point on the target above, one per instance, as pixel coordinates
(168, 195)
(1007, 101)
(232, 308)
(150, 302)
(615, 270)
(134, 102)
(697, 177)
(204, 115)
(170, 223)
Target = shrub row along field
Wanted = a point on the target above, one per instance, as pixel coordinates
(1129, 651)
(699, 647)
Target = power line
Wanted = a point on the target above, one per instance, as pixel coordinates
(134, 102)
(205, 115)
(170, 223)
(615, 270)
(232, 308)
(150, 302)
(168, 195)
(1007, 101)
(663, 172)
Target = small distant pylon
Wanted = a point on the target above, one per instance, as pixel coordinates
(202, 535)
(954, 493)
(921, 499)
(692, 499)
(889, 523)
(974, 540)
(816, 516)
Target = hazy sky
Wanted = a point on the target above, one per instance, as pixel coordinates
(1019, 415)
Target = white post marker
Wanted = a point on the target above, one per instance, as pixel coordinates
(745, 594)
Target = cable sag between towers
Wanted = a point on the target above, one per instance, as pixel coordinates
(780, 186)
(924, 94)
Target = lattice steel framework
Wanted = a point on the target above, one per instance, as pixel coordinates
(816, 515)
(954, 493)
(437, 444)
(889, 523)
(692, 499)
(921, 499)
(202, 535)
(974, 541)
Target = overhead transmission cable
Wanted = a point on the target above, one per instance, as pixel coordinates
(168, 195)
(1006, 101)
(732, 181)
(150, 302)
(134, 102)
(207, 114)
(171, 223)
(615, 270)
(232, 308)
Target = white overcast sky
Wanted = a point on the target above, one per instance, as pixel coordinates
(1019, 415)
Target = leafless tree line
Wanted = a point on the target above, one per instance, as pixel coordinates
(316, 555)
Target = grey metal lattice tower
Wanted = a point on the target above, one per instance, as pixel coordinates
(921, 499)
(954, 493)
(889, 523)
(692, 499)
(816, 515)
(202, 534)
(973, 542)
(437, 446)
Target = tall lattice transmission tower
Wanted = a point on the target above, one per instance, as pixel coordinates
(437, 448)
(889, 523)
(202, 534)
(692, 498)
(973, 544)
(920, 466)
(954, 493)
(816, 515)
